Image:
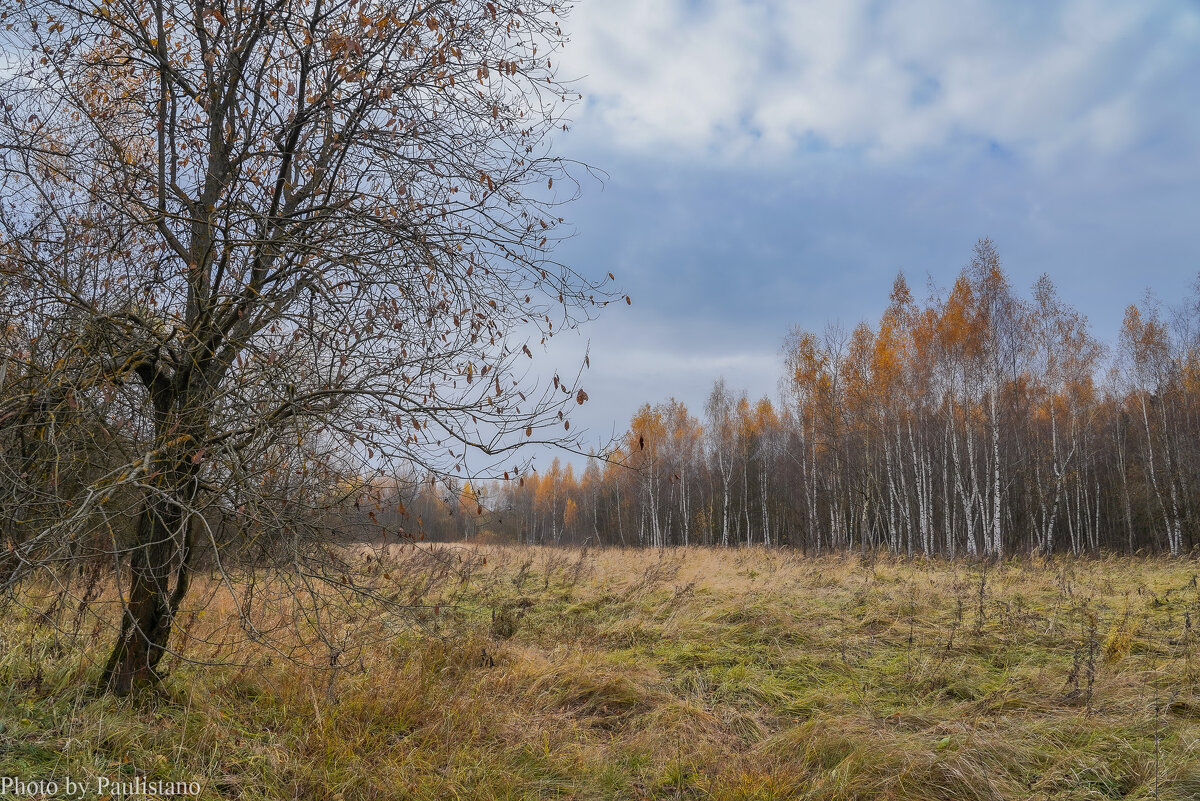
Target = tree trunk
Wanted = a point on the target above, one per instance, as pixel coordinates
(997, 539)
(163, 549)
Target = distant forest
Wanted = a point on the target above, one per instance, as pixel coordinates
(979, 422)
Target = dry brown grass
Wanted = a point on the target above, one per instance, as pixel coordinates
(688, 673)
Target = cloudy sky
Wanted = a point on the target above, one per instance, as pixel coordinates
(773, 164)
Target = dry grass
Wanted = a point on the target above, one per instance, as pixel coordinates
(688, 673)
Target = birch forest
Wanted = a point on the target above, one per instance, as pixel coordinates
(978, 421)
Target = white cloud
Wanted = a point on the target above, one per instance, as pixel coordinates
(754, 77)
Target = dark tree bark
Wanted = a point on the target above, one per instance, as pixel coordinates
(159, 570)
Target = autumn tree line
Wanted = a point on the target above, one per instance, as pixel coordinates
(978, 422)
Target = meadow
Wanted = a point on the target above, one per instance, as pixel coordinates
(529, 673)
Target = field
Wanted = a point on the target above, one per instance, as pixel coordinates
(688, 673)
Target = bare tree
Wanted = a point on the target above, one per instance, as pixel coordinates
(254, 254)
(722, 443)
